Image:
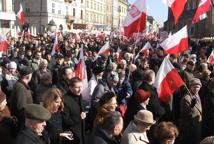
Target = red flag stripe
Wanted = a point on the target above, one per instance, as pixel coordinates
(182, 46)
(177, 8)
(137, 26)
(202, 9)
(170, 83)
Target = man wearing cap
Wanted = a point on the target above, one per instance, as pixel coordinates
(35, 122)
(191, 114)
(135, 133)
(21, 94)
(190, 66)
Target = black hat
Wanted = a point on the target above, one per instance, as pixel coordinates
(37, 112)
(59, 55)
(25, 70)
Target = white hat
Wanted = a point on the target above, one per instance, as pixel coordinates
(12, 65)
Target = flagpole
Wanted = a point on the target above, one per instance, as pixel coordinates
(188, 90)
(135, 44)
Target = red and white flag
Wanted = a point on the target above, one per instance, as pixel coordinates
(176, 43)
(105, 49)
(82, 74)
(27, 33)
(21, 16)
(144, 50)
(135, 20)
(210, 59)
(177, 7)
(167, 80)
(201, 12)
(55, 46)
(3, 45)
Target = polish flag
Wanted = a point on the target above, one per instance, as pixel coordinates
(120, 55)
(135, 20)
(105, 49)
(167, 80)
(77, 38)
(144, 50)
(176, 43)
(27, 34)
(20, 15)
(3, 45)
(82, 74)
(177, 7)
(201, 12)
(55, 46)
(210, 59)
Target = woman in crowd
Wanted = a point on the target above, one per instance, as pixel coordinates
(107, 103)
(166, 133)
(7, 123)
(135, 133)
(54, 103)
(138, 102)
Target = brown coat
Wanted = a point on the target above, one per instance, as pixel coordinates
(190, 120)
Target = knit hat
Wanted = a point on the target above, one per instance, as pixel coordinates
(195, 81)
(142, 95)
(12, 65)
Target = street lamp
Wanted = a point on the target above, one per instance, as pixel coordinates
(52, 25)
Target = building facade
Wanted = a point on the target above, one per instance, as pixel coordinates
(96, 14)
(41, 14)
(123, 8)
(201, 29)
(7, 17)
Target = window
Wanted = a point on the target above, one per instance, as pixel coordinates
(53, 7)
(87, 4)
(91, 5)
(81, 14)
(59, 9)
(74, 12)
(66, 10)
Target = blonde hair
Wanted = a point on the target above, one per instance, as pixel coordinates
(50, 96)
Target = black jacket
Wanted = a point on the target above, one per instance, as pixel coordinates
(154, 104)
(102, 137)
(27, 136)
(71, 117)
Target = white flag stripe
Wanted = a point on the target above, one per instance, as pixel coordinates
(175, 39)
(142, 8)
(164, 69)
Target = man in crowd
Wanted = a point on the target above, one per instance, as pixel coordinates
(73, 114)
(35, 122)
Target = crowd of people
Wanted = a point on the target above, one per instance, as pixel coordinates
(41, 99)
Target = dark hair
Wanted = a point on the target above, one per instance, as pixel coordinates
(106, 97)
(63, 70)
(74, 80)
(166, 131)
(111, 120)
